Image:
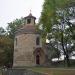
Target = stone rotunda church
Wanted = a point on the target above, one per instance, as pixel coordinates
(28, 49)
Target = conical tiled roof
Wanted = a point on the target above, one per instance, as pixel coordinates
(27, 29)
(30, 16)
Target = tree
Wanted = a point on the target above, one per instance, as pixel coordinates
(55, 18)
(6, 48)
(9, 46)
(7, 42)
(2, 31)
(13, 26)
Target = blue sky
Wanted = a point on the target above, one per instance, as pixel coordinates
(12, 9)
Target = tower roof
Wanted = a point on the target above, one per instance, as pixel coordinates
(30, 16)
(28, 29)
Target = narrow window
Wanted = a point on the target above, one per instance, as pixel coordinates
(37, 41)
(16, 41)
(28, 21)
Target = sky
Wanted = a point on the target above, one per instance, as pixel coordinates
(12, 9)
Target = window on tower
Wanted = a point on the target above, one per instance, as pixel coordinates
(16, 41)
(37, 41)
(28, 21)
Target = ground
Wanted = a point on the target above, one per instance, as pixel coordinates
(55, 71)
(52, 71)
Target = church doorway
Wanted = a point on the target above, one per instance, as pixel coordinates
(37, 59)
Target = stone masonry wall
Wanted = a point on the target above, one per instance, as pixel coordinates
(23, 51)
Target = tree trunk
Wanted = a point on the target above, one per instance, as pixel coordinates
(62, 42)
(67, 56)
(66, 59)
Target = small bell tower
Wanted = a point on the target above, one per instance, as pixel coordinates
(30, 20)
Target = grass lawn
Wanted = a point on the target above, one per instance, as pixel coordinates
(54, 71)
(51, 71)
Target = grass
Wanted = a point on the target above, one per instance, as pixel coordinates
(54, 71)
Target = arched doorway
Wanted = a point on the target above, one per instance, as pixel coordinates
(37, 59)
(39, 56)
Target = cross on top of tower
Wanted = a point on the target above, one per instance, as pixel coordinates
(30, 11)
(30, 15)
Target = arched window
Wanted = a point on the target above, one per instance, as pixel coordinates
(37, 41)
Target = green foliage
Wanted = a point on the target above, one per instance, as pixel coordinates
(13, 26)
(55, 20)
(6, 50)
(7, 42)
(48, 15)
(2, 31)
(9, 46)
